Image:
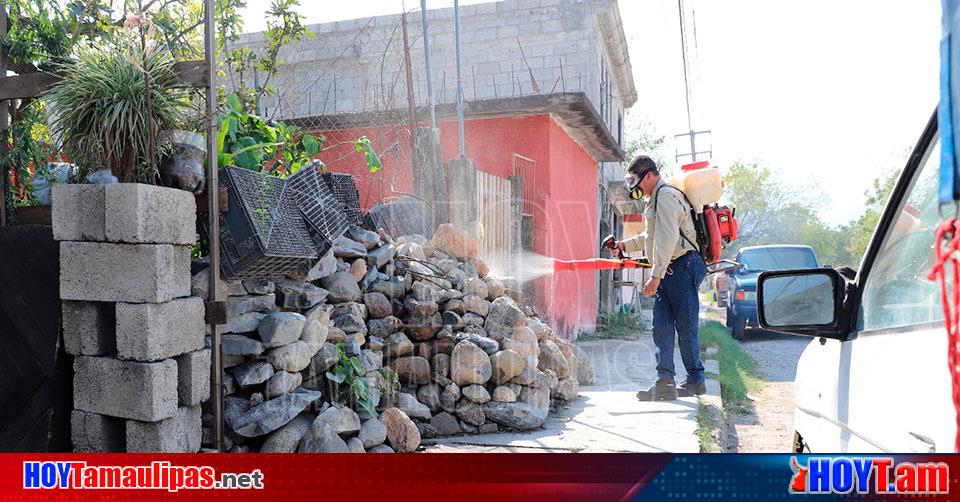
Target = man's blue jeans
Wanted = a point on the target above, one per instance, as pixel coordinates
(676, 314)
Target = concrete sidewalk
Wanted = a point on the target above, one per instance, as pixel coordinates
(607, 416)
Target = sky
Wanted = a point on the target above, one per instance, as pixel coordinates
(829, 94)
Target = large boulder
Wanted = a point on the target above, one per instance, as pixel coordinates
(504, 394)
(537, 396)
(321, 438)
(422, 327)
(378, 306)
(567, 389)
(314, 334)
(412, 370)
(476, 304)
(299, 295)
(445, 424)
(504, 319)
(449, 397)
(379, 257)
(240, 345)
(341, 287)
(409, 404)
(402, 433)
(292, 357)
(518, 415)
(397, 345)
(470, 412)
(474, 286)
(280, 328)
(469, 364)
(342, 420)
(553, 359)
(253, 421)
(455, 242)
(476, 393)
(250, 374)
(372, 433)
(281, 383)
(348, 249)
(326, 266)
(287, 438)
(429, 395)
(506, 365)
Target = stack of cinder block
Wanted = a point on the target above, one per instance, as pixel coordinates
(137, 336)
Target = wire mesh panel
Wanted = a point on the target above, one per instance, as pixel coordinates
(263, 234)
(400, 217)
(345, 192)
(321, 211)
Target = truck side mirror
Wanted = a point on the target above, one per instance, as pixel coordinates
(802, 302)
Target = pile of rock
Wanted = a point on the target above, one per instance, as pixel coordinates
(417, 328)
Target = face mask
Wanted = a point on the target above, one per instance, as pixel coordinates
(632, 182)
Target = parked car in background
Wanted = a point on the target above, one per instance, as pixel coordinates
(741, 298)
(875, 376)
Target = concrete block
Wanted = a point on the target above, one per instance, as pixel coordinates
(125, 389)
(180, 433)
(95, 433)
(155, 331)
(78, 212)
(193, 377)
(147, 214)
(88, 328)
(107, 272)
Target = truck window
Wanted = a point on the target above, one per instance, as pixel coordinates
(774, 258)
(897, 292)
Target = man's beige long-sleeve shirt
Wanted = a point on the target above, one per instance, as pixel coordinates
(665, 219)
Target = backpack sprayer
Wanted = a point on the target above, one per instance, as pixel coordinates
(715, 225)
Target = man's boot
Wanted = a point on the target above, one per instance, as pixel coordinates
(687, 389)
(664, 390)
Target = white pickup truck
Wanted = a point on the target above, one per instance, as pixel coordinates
(874, 377)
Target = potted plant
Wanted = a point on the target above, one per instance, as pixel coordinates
(110, 104)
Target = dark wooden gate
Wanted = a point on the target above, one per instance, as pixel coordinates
(35, 373)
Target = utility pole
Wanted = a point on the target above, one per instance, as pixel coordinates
(456, 22)
(691, 133)
(426, 59)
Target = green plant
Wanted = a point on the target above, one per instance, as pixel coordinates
(619, 326)
(26, 155)
(99, 109)
(739, 375)
(348, 386)
(251, 142)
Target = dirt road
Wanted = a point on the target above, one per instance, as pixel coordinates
(769, 429)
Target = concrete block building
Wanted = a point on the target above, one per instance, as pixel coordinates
(545, 86)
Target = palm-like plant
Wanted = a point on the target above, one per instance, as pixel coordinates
(100, 111)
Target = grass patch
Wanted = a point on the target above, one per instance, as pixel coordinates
(706, 425)
(617, 326)
(738, 370)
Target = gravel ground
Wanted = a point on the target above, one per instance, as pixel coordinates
(769, 429)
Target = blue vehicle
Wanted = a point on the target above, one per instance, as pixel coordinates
(742, 288)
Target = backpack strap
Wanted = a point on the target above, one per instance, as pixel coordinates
(656, 200)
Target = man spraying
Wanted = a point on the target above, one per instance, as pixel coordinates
(678, 269)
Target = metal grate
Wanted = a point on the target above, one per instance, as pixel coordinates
(400, 217)
(321, 211)
(345, 192)
(264, 234)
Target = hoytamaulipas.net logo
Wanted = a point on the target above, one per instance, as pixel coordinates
(879, 475)
(159, 475)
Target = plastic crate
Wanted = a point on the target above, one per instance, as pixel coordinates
(345, 191)
(263, 234)
(324, 217)
(400, 217)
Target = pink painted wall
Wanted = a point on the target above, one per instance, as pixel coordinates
(565, 212)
